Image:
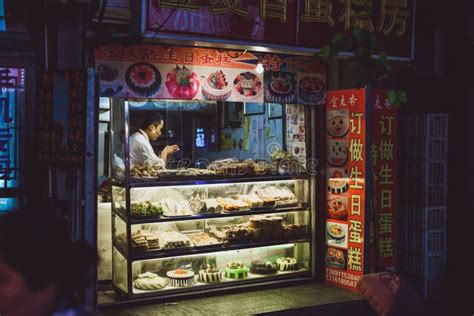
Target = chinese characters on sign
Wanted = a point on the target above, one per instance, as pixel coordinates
(346, 185)
(287, 22)
(61, 117)
(384, 166)
(156, 71)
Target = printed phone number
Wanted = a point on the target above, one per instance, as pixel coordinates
(341, 281)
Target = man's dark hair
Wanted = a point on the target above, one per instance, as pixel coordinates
(153, 119)
(38, 245)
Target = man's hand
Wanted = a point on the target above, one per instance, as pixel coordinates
(168, 150)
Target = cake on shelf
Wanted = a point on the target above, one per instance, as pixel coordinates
(210, 274)
(262, 267)
(236, 270)
(180, 277)
(287, 264)
(149, 281)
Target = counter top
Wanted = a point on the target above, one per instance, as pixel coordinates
(272, 300)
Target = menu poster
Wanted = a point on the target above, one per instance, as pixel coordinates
(296, 132)
(62, 117)
(181, 73)
(346, 186)
(383, 154)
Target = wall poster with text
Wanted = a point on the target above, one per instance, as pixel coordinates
(346, 186)
(383, 154)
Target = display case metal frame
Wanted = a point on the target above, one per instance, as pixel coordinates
(127, 184)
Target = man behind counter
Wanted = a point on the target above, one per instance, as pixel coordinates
(141, 150)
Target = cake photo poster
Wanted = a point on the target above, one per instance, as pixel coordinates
(181, 73)
(346, 186)
(293, 79)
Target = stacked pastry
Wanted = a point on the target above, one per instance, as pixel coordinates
(145, 240)
(174, 240)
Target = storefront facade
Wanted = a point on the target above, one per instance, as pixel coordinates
(142, 79)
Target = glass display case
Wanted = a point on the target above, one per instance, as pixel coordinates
(215, 215)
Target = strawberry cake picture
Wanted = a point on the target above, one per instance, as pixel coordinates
(337, 208)
(337, 152)
(247, 85)
(280, 87)
(182, 83)
(144, 79)
(338, 123)
(215, 87)
(311, 90)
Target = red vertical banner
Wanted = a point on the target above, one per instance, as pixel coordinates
(346, 186)
(383, 154)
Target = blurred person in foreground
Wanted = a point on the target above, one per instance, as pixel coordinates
(42, 271)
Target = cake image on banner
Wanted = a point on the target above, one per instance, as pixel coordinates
(336, 258)
(337, 180)
(143, 79)
(337, 123)
(311, 89)
(247, 86)
(337, 152)
(110, 81)
(337, 207)
(280, 87)
(216, 87)
(336, 234)
(182, 83)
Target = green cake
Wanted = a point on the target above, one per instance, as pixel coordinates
(236, 270)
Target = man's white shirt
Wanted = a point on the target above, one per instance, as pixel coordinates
(141, 151)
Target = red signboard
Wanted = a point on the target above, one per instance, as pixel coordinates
(383, 154)
(304, 23)
(346, 186)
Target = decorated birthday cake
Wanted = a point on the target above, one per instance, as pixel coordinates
(215, 87)
(210, 274)
(182, 83)
(262, 267)
(280, 89)
(247, 85)
(287, 264)
(180, 277)
(236, 270)
(149, 281)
